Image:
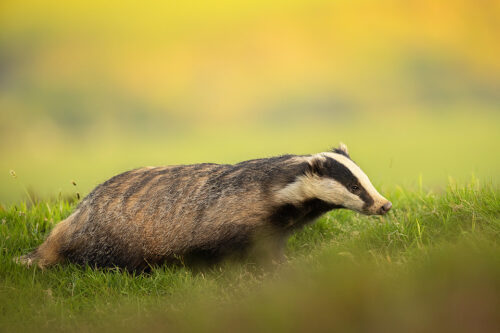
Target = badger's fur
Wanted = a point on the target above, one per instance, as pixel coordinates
(205, 212)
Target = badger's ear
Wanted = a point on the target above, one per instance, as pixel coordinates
(342, 149)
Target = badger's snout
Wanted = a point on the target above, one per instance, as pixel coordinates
(385, 208)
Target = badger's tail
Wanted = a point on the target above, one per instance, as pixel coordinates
(48, 253)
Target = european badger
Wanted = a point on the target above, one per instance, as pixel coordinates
(204, 212)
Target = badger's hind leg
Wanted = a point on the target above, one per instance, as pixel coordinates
(48, 253)
(26, 260)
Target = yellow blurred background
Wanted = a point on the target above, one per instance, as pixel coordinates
(91, 88)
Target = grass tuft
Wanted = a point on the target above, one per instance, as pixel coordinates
(432, 263)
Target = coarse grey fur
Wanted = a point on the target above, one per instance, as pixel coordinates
(189, 213)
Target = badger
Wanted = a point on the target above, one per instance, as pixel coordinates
(202, 213)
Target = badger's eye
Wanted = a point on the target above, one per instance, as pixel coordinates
(354, 188)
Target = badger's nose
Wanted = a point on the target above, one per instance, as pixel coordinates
(385, 208)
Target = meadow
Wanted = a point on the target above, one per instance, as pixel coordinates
(431, 264)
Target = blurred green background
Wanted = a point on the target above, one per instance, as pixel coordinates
(91, 88)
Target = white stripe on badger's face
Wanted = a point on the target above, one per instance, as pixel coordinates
(378, 200)
(327, 189)
(311, 186)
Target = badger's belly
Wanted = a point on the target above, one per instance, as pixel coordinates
(140, 240)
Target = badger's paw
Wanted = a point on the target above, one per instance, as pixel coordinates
(31, 259)
(26, 260)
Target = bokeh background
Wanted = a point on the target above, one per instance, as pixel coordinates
(91, 88)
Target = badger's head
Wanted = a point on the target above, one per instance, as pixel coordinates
(334, 178)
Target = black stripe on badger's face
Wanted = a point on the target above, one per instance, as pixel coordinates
(331, 168)
(336, 179)
(355, 183)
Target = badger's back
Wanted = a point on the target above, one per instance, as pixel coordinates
(155, 214)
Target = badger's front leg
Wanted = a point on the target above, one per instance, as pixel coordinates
(268, 251)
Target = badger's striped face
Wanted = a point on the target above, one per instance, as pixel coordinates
(333, 177)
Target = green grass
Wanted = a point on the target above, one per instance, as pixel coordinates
(432, 263)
